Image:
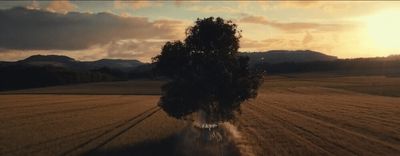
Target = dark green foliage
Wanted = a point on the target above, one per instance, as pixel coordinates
(206, 72)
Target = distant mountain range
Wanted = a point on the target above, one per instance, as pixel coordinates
(268, 57)
(273, 56)
(49, 70)
(70, 63)
(282, 56)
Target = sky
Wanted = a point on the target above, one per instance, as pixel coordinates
(90, 30)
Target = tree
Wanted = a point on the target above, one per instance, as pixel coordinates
(205, 71)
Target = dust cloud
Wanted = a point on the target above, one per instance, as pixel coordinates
(212, 139)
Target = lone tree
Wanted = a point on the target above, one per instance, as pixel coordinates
(206, 72)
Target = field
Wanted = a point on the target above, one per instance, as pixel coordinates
(293, 115)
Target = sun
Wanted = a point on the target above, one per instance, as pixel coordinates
(384, 29)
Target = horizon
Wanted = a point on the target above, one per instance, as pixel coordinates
(138, 29)
(24, 58)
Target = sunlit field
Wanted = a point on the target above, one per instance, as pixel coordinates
(324, 116)
(293, 115)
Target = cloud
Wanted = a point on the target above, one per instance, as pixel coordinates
(287, 43)
(27, 29)
(62, 6)
(213, 9)
(255, 20)
(247, 44)
(142, 50)
(291, 26)
(298, 4)
(307, 38)
(140, 4)
(183, 3)
(337, 9)
(33, 5)
(276, 4)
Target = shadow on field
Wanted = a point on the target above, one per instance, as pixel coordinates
(165, 147)
(187, 142)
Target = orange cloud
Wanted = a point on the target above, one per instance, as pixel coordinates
(142, 50)
(299, 4)
(34, 5)
(135, 4)
(338, 8)
(61, 6)
(247, 44)
(291, 26)
(307, 38)
(180, 3)
(213, 9)
(291, 42)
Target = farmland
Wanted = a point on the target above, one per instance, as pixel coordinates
(292, 115)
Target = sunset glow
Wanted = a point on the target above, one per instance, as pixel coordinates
(384, 28)
(137, 29)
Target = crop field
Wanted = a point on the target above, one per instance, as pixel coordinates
(292, 115)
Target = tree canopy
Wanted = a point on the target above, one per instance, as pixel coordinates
(205, 71)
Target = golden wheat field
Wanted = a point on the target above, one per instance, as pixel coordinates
(292, 115)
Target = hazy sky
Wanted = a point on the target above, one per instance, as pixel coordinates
(138, 29)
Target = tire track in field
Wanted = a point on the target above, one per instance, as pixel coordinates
(366, 105)
(63, 138)
(27, 117)
(358, 129)
(373, 139)
(36, 99)
(68, 110)
(329, 126)
(100, 140)
(6, 98)
(298, 137)
(311, 137)
(357, 122)
(51, 103)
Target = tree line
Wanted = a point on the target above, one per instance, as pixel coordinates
(350, 66)
(21, 76)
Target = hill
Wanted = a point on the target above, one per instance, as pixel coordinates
(49, 70)
(281, 56)
(52, 60)
(41, 70)
(270, 57)
(67, 62)
(114, 64)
